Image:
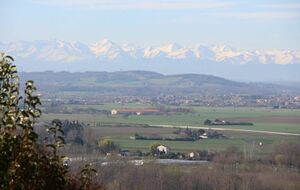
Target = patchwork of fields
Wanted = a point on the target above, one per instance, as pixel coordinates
(264, 119)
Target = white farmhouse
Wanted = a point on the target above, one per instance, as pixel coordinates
(163, 149)
(114, 112)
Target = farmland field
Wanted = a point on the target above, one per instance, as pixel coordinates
(282, 120)
(243, 141)
(264, 119)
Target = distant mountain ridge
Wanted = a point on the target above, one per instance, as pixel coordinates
(57, 50)
(150, 83)
(172, 58)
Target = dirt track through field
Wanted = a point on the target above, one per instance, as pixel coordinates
(238, 130)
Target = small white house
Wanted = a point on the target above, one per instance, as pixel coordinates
(191, 154)
(114, 112)
(163, 149)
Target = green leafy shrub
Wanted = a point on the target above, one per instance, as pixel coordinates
(25, 164)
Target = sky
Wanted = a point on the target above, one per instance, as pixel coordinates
(244, 24)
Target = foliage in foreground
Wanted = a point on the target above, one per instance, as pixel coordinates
(25, 164)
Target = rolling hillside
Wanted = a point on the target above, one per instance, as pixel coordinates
(149, 83)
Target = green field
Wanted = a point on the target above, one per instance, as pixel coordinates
(242, 140)
(191, 119)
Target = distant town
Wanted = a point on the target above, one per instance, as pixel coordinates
(275, 102)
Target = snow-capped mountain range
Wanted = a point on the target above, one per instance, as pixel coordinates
(106, 50)
(172, 58)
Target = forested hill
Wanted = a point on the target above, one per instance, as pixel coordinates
(149, 83)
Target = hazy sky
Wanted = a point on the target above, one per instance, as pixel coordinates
(245, 24)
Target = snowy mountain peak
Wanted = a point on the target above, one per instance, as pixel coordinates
(106, 50)
(170, 47)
